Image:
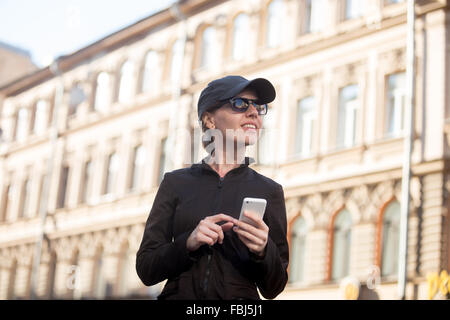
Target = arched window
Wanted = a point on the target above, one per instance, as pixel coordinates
(111, 173)
(390, 239)
(41, 117)
(274, 23)
(87, 181)
(347, 116)
(6, 201)
(149, 72)
(22, 124)
(395, 104)
(176, 61)
(24, 198)
(208, 47)
(137, 169)
(306, 118)
(76, 97)
(164, 159)
(314, 21)
(298, 247)
(354, 8)
(102, 92)
(241, 30)
(340, 266)
(126, 83)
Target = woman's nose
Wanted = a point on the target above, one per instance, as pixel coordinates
(251, 111)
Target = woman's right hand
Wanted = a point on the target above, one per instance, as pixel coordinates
(209, 232)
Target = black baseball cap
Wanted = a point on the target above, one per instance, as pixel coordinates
(227, 87)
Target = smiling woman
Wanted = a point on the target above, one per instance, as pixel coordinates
(193, 237)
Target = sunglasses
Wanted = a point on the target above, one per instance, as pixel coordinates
(242, 104)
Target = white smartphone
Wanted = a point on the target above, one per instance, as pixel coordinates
(256, 205)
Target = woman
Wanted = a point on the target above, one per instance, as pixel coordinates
(193, 237)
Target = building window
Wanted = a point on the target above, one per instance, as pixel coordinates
(387, 2)
(176, 61)
(63, 183)
(86, 182)
(112, 169)
(163, 159)
(24, 199)
(41, 192)
(275, 18)
(347, 116)
(306, 117)
(149, 73)
(41, 117)
(6, 200)
(102, 92)
(241, 31)
(314, 21)
(340, 265)
(354, 9)
(395, 104)
(22, 124)
(208, 48)
(390, 239)
(298, 247)
(137, 169)
(126, 82)
(77, 96)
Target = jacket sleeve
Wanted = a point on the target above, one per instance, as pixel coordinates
(272, 267)
(160, 255)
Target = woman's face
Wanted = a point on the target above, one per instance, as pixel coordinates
(242, 127)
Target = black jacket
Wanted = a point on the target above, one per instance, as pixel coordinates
(223, 271)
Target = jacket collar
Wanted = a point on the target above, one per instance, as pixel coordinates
(203, 164)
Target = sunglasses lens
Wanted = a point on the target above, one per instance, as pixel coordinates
(239, 103)
(262, 108)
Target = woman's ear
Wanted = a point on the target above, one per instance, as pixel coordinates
(208, 120)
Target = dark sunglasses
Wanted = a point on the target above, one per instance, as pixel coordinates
(242, 104)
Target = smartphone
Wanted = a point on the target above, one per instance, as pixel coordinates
(257, 205)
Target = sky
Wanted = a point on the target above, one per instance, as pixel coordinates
(51, 28)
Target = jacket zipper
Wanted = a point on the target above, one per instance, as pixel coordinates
(209, 257)
(207, 272)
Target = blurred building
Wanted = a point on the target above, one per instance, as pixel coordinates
(14, 63)
(104, 123)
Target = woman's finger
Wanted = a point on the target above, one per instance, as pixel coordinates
(259, 222)
(205, 229)
(252, 238)
(260, 233)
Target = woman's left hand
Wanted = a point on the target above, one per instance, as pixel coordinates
(253, 236)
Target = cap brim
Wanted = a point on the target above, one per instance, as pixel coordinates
(264, 90)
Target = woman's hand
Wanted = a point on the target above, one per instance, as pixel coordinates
(209, 232)
(254, 237)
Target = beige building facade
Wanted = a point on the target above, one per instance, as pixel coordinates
(88, 139)
(14, 63)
